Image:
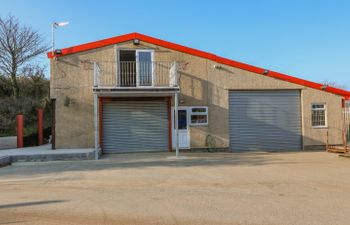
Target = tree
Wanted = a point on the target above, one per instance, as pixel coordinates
(34, 93)
(334, 84)
(19, 45)
(38, 85)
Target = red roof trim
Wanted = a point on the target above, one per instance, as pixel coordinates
(192, 51)
(95, 44)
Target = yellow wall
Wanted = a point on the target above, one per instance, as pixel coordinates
(200, 84)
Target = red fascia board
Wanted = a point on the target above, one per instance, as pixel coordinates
(176, 47)
(239, 65)
(307, 83)
(95, 44)
(199, 53)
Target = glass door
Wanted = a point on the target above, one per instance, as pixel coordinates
(144, 59)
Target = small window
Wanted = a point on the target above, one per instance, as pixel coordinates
(199, 115)
(318, 115)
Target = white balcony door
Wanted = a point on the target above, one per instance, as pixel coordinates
(183, 128)
(144, 68)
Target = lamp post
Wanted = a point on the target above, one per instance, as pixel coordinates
(53, 27)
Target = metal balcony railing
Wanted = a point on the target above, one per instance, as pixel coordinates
(128, 74)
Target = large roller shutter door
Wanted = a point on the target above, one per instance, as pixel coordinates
(264, 120)
(132, 126)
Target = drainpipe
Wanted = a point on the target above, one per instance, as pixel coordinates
(176, 124)
(176, 104)
(97, 145)
(96, 116)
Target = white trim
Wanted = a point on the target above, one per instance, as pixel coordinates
(206, 113)
(320, 109)
(320, 127)
(188, 125)
(136, 62)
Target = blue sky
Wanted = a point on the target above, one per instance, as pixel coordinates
(308, 39)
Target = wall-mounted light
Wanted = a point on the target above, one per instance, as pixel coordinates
(58, 52)
(217, 67)
(136, 41)
(266, 72)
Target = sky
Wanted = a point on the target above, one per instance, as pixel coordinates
(307, 39)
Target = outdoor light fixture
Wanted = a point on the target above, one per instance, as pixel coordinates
(136, 41)
(266, 72)
(53, 27)
(58, 51)
(61, 24)
(217, 67)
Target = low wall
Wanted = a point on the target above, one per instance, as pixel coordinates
(8, 142)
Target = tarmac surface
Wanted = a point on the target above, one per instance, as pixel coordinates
(200, 188)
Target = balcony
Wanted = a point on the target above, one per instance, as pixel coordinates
(135, 76)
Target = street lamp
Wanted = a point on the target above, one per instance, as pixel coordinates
(54, 26)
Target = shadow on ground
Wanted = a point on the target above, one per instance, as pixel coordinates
(22, 204)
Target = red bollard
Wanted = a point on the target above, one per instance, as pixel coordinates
(40, 126)
(19, 120)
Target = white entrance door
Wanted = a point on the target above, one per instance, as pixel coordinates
(184, 132)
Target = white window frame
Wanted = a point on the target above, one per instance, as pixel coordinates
(198, 113)
(118, 49)
(137, 51)
(325, 114)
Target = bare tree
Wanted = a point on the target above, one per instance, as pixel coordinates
(19, 44)
(334, 84)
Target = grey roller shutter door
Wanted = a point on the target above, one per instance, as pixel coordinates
(264, 120)
(132, 126)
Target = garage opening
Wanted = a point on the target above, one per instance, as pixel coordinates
(265, 120)
(135, 126)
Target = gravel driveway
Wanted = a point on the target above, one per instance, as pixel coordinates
(203, 188)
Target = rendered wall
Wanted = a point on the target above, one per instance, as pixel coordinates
(200, 84)
(71, 84)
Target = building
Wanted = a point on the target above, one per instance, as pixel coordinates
(119, 94)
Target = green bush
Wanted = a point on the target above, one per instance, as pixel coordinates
(34, 94)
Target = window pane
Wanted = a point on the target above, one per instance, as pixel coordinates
(182, 122)
(145, 68)
(198, 119)
(200, 110)
(318, 106)
(318, 118)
